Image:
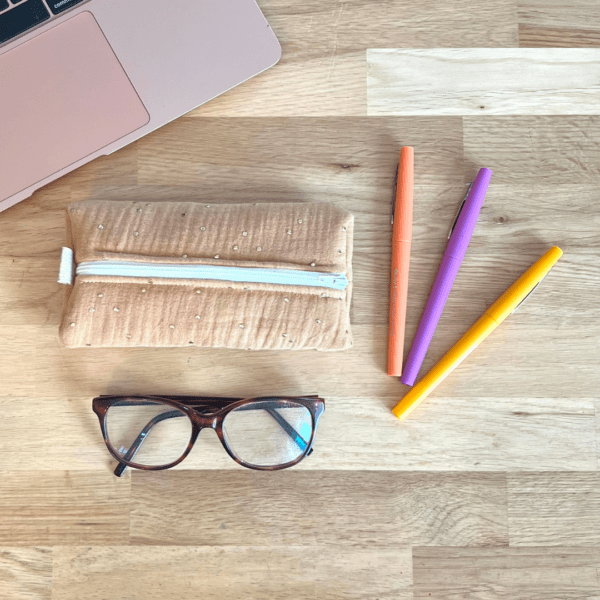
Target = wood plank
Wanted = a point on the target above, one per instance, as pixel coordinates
(480, 81)
(536, 151)
(448, 434)
(457, 434)
(29, 293)
(326, 158)
(62, 508)
(36, 226)
(47, 370)
(523, 357)
(491, 573)
(559, 24)
(554, 13)
(70, 420)
(323, 67)
(357, 509)
(597, 407)
(523, 216)
(554, 509)
(260, 573)
(392, 23)
(319, 82)
(558, 37)
(26, 573)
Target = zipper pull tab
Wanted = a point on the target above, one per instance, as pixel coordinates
(67, 267)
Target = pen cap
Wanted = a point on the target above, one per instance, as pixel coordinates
(465, 224)
(523, 286)
(403, 211)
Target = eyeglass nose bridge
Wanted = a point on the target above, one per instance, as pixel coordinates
(207, 422)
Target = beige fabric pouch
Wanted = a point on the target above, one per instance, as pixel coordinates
(246, 276)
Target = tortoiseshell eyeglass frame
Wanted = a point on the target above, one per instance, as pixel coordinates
(206, 412)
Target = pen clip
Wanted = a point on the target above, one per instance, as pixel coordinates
(395, 192)
(531, 292)
(462, 205)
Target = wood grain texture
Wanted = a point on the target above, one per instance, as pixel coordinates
(212, 573)
(492, 573)
(323, 68)
(490, 490)
(61, 507)
(314, 158)
(354, 509)
(535, 346)
(483, 81)
(545, 360)
(75, 425)
(550, 151)
(26, 573)
(554, 509)
(451, 434)
(554, 23)
(553, 37)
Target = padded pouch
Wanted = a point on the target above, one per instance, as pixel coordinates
(245, 276)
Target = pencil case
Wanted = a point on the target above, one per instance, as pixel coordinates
(174, 274)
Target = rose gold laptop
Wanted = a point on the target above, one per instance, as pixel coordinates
(83, 78)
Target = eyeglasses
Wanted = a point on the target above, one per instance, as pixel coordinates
(267, 433)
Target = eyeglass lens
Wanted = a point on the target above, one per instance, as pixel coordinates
(148, 432)
(268, 433)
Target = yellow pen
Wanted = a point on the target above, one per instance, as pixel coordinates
(491, 318)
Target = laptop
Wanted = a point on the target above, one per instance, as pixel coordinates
(83, 78)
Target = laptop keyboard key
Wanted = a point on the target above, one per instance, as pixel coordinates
(21, 18)
(58, 6)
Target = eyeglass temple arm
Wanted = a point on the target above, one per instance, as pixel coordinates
(137, 444)
(298, 439)
(120, 469)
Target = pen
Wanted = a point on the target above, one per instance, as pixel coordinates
(402, 216)
(459, 238)
(491, 318)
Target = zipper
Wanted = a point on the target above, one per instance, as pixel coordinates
(117, 268)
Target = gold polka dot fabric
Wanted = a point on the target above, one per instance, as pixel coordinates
(111, 311)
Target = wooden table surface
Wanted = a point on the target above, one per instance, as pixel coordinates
(491, 489)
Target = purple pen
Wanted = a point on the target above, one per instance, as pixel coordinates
(453, 257)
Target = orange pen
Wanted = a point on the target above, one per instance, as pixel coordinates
(402, 216)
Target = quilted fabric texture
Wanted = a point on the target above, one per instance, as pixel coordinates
(103, 311)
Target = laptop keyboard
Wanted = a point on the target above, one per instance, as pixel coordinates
(58, 6)
(19, 16)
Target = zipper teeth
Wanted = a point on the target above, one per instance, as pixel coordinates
(337, 281)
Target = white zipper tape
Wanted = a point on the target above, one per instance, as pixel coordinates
(117, 268)
(65, 271)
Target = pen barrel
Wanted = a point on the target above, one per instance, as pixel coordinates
(465, 224)
(403, 210)
(398, 299)
(401, 241)
(430, 318)
(453, 256)
(467, 343)
(520, 289)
